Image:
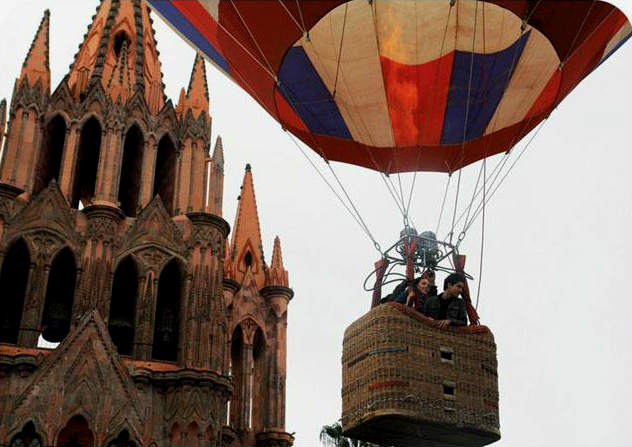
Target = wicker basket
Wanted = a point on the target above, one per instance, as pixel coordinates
(407, 383)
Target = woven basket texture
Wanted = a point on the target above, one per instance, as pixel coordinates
(407, 383)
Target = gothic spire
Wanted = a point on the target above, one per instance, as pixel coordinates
(3, 120)
(216, 185)
(246, 251)
(277, 275)
(116, 23)
(196, 99)
(36, 67)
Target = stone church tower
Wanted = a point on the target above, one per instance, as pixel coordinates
(128, 317)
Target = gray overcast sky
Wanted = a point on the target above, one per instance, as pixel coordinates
(556, 280)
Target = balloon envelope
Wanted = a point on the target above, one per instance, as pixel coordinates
(404, 85)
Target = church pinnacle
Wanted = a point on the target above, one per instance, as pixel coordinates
(196, 98)
(36, 64)
(120, 25)
(246, 251)
(277, 275)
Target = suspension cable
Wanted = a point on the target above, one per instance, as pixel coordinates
(445, 195)
(434, 84)
(252, 37)
(357, 217)
(465, 123)
(480, 265)
(298, 25)
(492, 192)
(342, 38)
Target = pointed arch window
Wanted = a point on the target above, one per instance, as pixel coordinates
(122, 440)
(119, 39)
(28, 437)
(76, 433)
(131, 166)
(236, 371)
(165, 173)
(121, 323)
(51, 153)
(60, 292)
(192, 434)
(87, 163)
(257, 394)
(13, 282)
(166, 323)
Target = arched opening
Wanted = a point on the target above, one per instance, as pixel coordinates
(129, 186)
(209, 435)
(165, 173)
(28, 437)
(13, 281)
(122, 440)
(166, 323)
(60, 293)
(258, 387)
(174, 435)
(236, 372)
(76, 433)
(248, 259)
(119, 39)
(123, 306)
(87, 163)
(191, 435)
(51, 153)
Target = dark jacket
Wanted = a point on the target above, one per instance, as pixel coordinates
(455, 313)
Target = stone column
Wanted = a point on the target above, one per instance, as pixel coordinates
(147, 295)
(69, 159)
(148, 172)
(277, 298)
(101, 241)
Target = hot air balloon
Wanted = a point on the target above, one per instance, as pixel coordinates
(406, 86)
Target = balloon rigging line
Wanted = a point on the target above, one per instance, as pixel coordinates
(333, 190)
(298, 25)
(434, 84)
(497, 170)
(445, 195)
(491, 195)
(385, 178)
(342, 38)
(480, 265)
(571, 50)
(252, 37)
(469, 207)
(467, 114)
(300, 14)
(241, 45)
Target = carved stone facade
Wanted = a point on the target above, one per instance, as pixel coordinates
(124, 320)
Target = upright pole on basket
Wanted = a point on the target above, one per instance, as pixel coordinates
(459, 266)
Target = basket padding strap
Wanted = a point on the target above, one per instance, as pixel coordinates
(375, 352)
(475, 329)
(380, 269)
(388, 383)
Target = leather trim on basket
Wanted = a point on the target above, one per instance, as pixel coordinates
(474, 329)
(375, 385)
